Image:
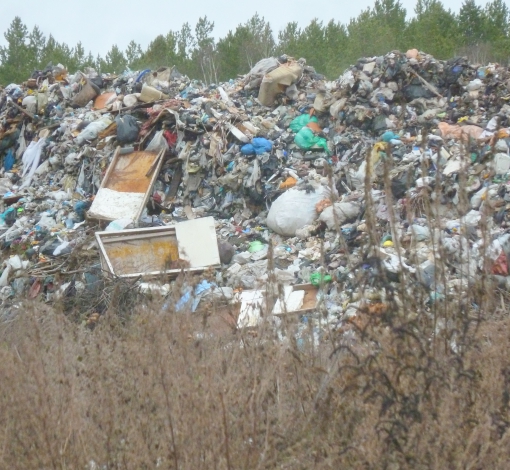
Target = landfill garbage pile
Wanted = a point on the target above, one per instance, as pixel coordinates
(400, 162)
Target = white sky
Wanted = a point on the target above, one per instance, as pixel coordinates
(101, 23)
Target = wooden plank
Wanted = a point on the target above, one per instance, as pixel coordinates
(110, 168)
(151, 184)
(24, 111)
(129, 171)
(176, 181)
(104, 255)
(149, 236)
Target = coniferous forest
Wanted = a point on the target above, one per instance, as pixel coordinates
(480, 33)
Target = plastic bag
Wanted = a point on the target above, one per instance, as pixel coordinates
(302, 121)
(42, 102)
(323, 101)
(9, 160)
(119, 224)
(306, 139)
(157, 143)
(127, 129)
(30, 104)
(277, 81)
(344, 212)
(22, 143)
(93, 129)
(261, 68)
(258, 146)
(31, 159)
(294, 209)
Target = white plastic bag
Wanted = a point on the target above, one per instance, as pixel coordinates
(157, 143)
(294, 209)
(93, 129)
(22, 143)
(119, 224)
(344, 212)
(31, 159)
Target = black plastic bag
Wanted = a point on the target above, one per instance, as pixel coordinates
(127, 129)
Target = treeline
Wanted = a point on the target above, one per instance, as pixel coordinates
(481, 33)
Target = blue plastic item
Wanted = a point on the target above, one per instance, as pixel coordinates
(142, 74)
(80, 207)
(9, 160)
(9, 216)
(258, 146)
(389, 136)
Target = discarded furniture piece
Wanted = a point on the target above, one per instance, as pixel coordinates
(298, 299)
(126, 186)
(152, 251)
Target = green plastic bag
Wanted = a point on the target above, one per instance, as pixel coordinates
(306, 139)
(301, 121)
(317, 278)
(255, 246)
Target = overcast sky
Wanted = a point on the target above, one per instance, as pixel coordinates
(100, 23)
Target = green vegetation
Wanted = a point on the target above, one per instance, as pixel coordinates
(482, 34)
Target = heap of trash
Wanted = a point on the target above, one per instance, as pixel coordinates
(279, 176)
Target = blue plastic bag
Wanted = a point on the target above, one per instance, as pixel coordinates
(258, 146)
(9, 160)
(389, 136)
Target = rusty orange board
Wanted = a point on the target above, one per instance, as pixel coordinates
(100, 101)
(126, 185)
(152, 251)
(154, 254)
(129, 172)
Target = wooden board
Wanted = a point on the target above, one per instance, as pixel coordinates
(153, 254)
(133, 172)
(197, 242)
(128, 172)
(149, 252)
(100, 100)
(309, 301)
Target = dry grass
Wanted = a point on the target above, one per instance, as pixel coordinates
(157, 392)
(411, 383)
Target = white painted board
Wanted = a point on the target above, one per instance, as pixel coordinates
(197, 242)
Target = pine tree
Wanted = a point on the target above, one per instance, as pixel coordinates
(36, 44)
(161, 52)
(497, 30)
(336, 40)
(133, 54)
(289, 39)
(433, 29)
(258, 41)
(15, 57)
(114, 61)
(471, 23)
(77, 60)
(229, 53)
(204, 55)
